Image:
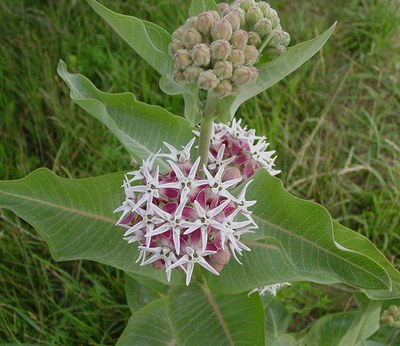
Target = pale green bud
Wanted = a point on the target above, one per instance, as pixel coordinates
(234, 19)
(273, 17)
(264, 7)
(178, 33)
(254, 39)
(204, 23)
(182, 59)
(253, 15)
(263, 27)
(242, 75)
(201, 54)
(223, 6)
(236, 58)
(221, 30)
(215, 14)
(223, 69)
(179, 76)
(191, 22)
(192, 73)
(387, 320)
(396, 316)
(242, 16)
(220, 50)
(251, 54)
(174, 46)
(236, 90)
(239, 39)
(224, 88)
(247, 4)
(208, 80)
(191, 38)
(392, 309)
(285, 39)
(276, 39)
(274, 52)
(254, 73)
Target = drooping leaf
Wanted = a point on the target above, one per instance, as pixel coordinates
(277, 321)
(198, 317)
(140, 127)
(149, 326)
(330, 329)
(199, 6)
(149, 40)
(272, 72)
(352, 240)
(75, 218)
(284, 340)
(304, 230)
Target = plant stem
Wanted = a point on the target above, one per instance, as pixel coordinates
(206, 129)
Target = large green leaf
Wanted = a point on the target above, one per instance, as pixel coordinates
(199, 6)
(308, 249)
(277, 321)
(149, 326)
(75, 218)
(274, 71)
(149, 40)
(140, 127)
(198, 317)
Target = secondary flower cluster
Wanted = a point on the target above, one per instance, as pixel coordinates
(180, 217)
(217, 50)
(272, 289)
(240, 151)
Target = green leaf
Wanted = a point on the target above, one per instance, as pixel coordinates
(75, 218)
(199, 6)
(352, 240)
(149, 40)
(140, 127)
(198, 317)
(308, 249)
(272, 72)
(284, 340)
(277, 320)
(149, 326)
(330, 329)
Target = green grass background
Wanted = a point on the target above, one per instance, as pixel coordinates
(334, 123)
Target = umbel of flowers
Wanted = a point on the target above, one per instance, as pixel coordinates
(188, 214)
(217, 50)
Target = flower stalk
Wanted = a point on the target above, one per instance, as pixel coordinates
(206, 129)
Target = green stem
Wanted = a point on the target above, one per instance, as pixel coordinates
(206, 129)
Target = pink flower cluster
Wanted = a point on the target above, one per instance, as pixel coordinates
(186, 215)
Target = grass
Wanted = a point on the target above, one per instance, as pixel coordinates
(334, 124)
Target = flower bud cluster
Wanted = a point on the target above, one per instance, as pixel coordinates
(240, 151)
(391, 317)
(180, 218)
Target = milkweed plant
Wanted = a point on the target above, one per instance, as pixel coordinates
(201, 223)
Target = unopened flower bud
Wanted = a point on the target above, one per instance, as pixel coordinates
(234, 19)
(253, 15)
(236, 90)
(215, 14)
(191, 38)
(158, 265)
(223, 69)
(221, 30)
(276, 39)
(264, 7)
(242, 75)
(263, 27)
(251, 54)
(204, 23)
(192, 73)
(231, 173)
(221, 257)
(242, 16)
(254, 73)
(239, 39)
(223, 6)
(191, 22)
(179, 76)
(274, 52)
(223, 89)
(174, 46)
(387, 320)
(273, 17)
(254, 39)
(220, 49)
(208, 80)
(285, 39)
(182, 59)
(236, 58)
(201, 54)
(247, 4)
(178, 33)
